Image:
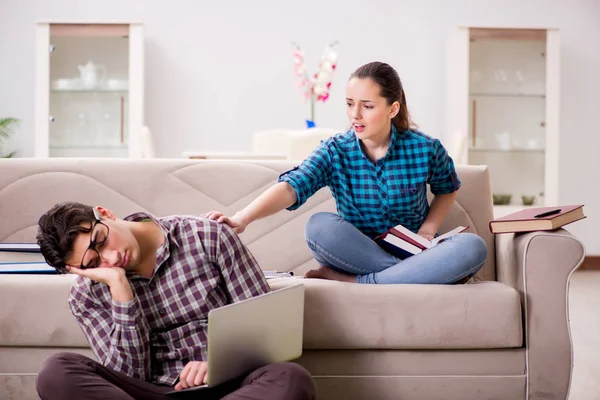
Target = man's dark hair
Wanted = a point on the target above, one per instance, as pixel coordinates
(58, 228)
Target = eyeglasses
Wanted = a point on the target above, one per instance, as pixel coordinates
(99, 234)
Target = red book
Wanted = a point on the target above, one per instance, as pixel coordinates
(403, 243)
(537, 219)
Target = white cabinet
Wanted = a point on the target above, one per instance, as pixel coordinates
(503, 107)
(89, 89)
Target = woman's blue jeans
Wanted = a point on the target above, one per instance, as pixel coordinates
(338, 244)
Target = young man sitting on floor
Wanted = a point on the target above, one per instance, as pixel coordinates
(144, 289)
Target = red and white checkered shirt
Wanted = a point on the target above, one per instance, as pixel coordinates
(202, 265)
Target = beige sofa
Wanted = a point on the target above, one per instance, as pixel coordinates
(506, 337)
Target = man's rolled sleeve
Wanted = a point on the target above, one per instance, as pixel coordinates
(442, 176)
(127, 314)
(310, 176)
(119, 337)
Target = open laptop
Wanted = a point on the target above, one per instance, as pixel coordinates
(249, 334)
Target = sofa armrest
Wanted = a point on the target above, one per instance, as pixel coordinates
(539, 265)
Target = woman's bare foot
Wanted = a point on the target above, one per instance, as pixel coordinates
(327, 273)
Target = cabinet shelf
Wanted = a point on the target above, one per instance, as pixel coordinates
(86, 147)
(509, 95)
(512, 150)
(121, 91)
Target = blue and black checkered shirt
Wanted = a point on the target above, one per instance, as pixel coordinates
(375, 196)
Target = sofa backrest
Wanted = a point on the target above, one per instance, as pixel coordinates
(473, 208)
(29, 187)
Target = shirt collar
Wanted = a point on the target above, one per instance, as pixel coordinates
(391, 149)
(393, 138)
(163, 252)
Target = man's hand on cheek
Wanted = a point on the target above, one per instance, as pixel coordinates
(114, 277)
(100, 274)
(193, 374)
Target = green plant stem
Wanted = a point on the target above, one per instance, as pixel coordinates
(6, 130)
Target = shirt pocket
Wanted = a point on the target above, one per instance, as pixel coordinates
(406, 197)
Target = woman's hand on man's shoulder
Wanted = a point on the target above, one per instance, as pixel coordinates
(235, 222)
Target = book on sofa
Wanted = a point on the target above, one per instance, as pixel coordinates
(20, 247)
(17, 256)
(537, 219)
(26, 268)
(404, 243)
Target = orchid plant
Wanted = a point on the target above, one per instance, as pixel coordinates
(315, 88)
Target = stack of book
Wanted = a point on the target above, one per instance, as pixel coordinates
(23, 258)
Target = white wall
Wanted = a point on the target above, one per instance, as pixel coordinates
(218, 71)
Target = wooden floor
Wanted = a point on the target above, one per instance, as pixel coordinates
(584, 306)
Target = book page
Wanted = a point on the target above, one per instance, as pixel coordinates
(20, 256)
(448, 234)
(33, 247)
(17, 267)
(417, 238)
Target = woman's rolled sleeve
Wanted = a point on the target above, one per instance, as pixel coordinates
(442, 176)
(310, 176)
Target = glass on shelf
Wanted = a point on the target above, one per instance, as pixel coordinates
(504, 143)
(87, 91)
(86, 147)
(503, 124)
(89, 119)
(75, 85)
(507, 66)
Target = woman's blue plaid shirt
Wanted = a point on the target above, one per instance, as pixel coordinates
(375, 196)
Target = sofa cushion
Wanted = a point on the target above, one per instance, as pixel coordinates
(337, 315)
(351, 316)
(34, 312)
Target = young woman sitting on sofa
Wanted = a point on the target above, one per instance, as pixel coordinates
(377, 172)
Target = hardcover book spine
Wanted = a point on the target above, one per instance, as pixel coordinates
(393, 250)
(406, 238)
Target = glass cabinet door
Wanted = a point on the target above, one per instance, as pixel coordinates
(507, 113)
(502, 110)
(88, 90)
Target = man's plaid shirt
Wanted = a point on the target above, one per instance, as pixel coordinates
(201, 265)
(375, 196)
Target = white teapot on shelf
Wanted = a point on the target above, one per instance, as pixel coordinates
(90, 75)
